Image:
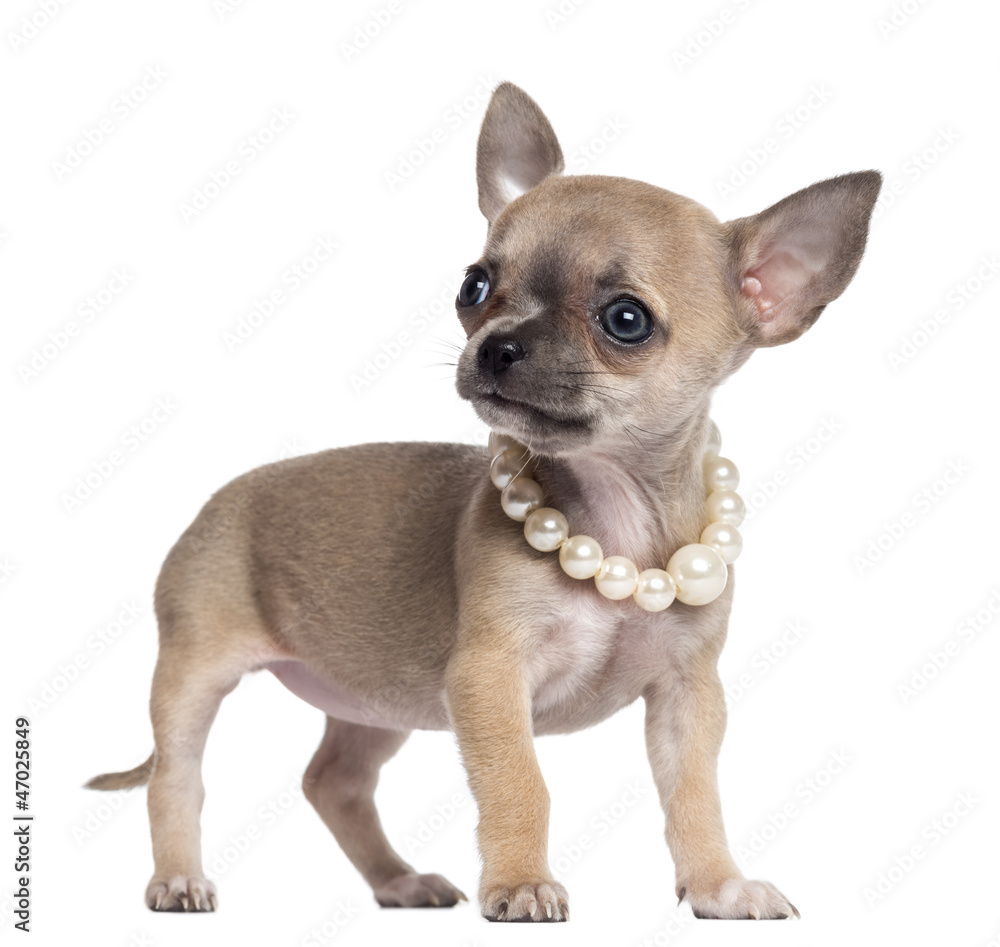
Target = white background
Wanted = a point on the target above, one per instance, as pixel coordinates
(917, 101)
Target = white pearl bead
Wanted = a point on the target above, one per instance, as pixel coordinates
(720, 474)
(520, 497)
(546, 529)
(725, 538)
(508, 464)
(700, 573)
(655, 591)
(724, 506)
(617, 578)
(580, 557)
(714, 444)
(498, 443)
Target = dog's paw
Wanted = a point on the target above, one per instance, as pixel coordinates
(418, 891)
(538, 901)
(181, 893)
(739, 899)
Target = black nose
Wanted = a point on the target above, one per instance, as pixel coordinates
(497, 355)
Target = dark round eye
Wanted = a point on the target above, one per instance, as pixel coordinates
(475, 289)
(626, 321)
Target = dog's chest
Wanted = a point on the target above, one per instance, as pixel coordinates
(592, 657)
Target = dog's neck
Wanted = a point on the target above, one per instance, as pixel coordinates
(641, 500)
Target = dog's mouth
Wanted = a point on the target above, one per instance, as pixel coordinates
(507, 404)
(529, 408)
(536, 427)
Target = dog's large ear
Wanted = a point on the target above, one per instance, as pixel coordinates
(789, 261)
(517, 149)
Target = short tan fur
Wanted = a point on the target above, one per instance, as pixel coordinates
(473, 630)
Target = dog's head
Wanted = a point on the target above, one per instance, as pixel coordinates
(602, 307)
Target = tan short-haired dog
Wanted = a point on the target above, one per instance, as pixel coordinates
(600, 317)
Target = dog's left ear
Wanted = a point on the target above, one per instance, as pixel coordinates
(789, 261)
(517, 149)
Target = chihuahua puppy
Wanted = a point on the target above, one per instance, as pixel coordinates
(601, 315)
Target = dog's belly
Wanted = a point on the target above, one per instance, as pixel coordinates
(392, 710)
(589, 661)
(570, 697)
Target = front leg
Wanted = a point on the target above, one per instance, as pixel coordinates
(489, 703)
(685, 721)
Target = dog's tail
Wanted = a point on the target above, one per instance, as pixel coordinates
(127, 780)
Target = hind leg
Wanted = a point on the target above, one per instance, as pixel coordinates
(187, 690)
(340, 783)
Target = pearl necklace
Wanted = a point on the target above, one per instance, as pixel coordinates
(695, 575)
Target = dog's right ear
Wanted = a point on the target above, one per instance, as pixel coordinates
(517, 149)
(790, 260)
